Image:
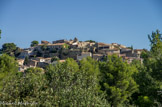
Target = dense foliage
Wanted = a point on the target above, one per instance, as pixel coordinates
(8, 48)
(11, 49)
(8, 65)
(61, 85)
(110, 82)
(116, 80)
(34, 43)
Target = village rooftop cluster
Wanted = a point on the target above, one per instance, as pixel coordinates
(47, 53)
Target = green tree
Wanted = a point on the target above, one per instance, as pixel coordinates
(17, 52)
(147, 96)
(147, 87)
(26, 60)
(156, 43)
(36, 70)
(9, 48)
(58, 86)
(71, 65)
(144, 101)
(24, 87)
(34, 43)
(154, 64)
(117, 80)
(7, 65)
(150, 79)
(91, 68)
(70, 85)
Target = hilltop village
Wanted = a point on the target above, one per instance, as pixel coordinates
(47, 53)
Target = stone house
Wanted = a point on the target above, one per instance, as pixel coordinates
(97, 56)
(83, 44)
(26, 53)
(128, 52)
(137, 52)
(84, 55)
(131, 53)
(74, 45)
(113, 51)
(109, 51)
(45, 42)
(122, 46)
(50, 47)
(60, 41)
(130, 59)
(115, 44)
(48, 60)
(125, 50)
(56, 46)
(42, 64)
(20, 62)
(32, 63)
(101, 46)
(40, 59)
(23, 54)
(70, 54)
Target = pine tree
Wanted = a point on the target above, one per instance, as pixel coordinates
(117, 80)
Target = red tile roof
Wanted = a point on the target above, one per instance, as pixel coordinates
(102, 44)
